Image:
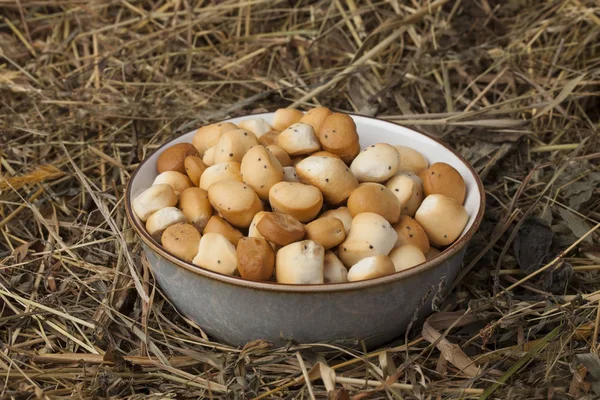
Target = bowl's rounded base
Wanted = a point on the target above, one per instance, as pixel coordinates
(238, 314)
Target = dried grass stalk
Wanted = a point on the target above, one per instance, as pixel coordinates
(89, 89)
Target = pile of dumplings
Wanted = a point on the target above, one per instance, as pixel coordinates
(298, 202)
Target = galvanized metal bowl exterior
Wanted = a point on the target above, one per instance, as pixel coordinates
(236, 311)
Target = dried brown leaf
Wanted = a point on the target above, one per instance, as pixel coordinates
(338, 394)
(581, 191)
(452, 352)
(328, 376)
(20, 252)
(564, 93)
(575, 223)
(532, 244)
(592, 365)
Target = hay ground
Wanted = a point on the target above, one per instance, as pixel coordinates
(90, 88)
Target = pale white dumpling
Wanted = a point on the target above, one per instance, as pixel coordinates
(300, 263)
(376, 163)
(299, 139)
(153, 199)
(289, 174)
(407, 256)
(408, 189)
(162, 219)
(178, 181)
(216, 253)
(334, 270)
(370, 235)
(442, 218)
(258, 126)
(370, 268)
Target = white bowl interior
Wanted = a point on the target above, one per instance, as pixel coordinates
(370, 131)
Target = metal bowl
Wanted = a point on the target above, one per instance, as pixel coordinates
(237, 311)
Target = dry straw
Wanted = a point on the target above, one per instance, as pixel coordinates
(90, 88)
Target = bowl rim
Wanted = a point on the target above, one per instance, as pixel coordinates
(448, 253)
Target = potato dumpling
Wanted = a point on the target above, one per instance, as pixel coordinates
(376, 163)
(301, 201)
(258, 126)
(279, 228)
(341, 213)
(370, 235)
(178, 181)
(300, 263)
(442, 178)
(327, 231)
(194, 168)
(284, 117)
(218, 225)
(253, 228)
(330, 175)
(151, 200)
(376, 198)
(216, 253)
(408, 189)
(411, 160)
(235, 201)
(407, 256)
(281, 154)
(411, 232)
(162, 219)
(260, 169)
(315, 117)
(208, 136)
(290, 175)
(298, 139)
(370, 268)
(269, 138)
(181, 240)
(209, 156)
(233, 145)
(334, 270)
(173, 157)
(255, 259)
(220, 172)
(442, 218)
(337, 135)
(194, 204)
